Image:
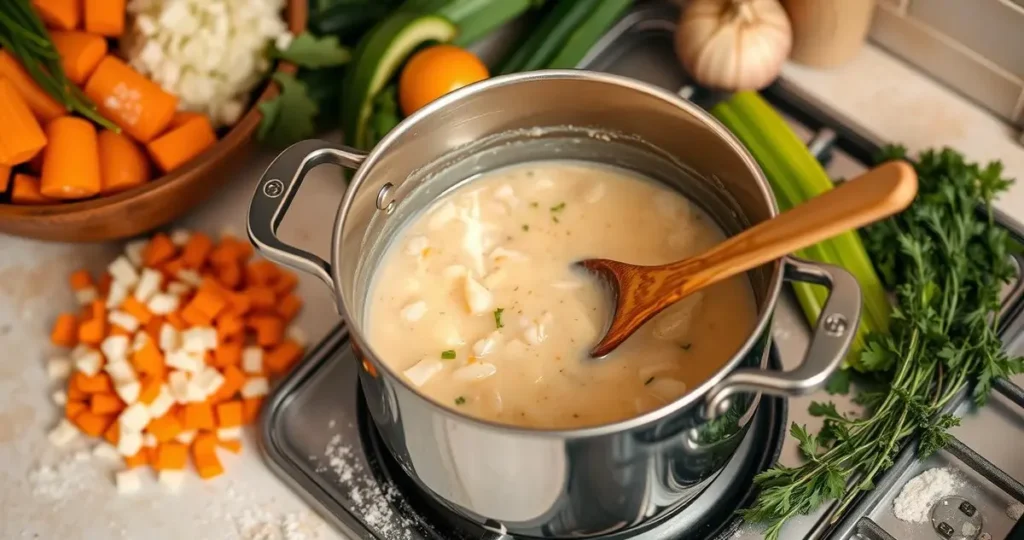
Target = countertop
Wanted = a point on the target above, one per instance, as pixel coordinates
(884, 96)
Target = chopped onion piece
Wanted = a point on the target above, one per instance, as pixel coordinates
(594, 194)
(417, 246)
(478, 298)
(422, 372)
(666, 389)
(414, 311)
(507, 196)
(486, 345)
(475, 372)
(444, 214)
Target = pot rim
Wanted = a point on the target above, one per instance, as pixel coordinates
(687, 400)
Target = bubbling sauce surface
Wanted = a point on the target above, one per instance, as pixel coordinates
(477, 305)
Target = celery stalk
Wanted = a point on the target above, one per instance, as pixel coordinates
(796, 176)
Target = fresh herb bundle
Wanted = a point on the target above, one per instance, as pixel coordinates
(946, 263)
(24, 36)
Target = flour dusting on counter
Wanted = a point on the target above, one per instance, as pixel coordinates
(915, 501)
(372, 503)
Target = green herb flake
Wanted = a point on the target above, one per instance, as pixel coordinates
(685, 346)
(461, 400)
(555, 219)
(558, 207)
(289, 117)
(448, 355)
(309, 51)
(497, 317)
(649, 381)
(526, 228)
(534, 204)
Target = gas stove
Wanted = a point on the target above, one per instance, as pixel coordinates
(317, 434)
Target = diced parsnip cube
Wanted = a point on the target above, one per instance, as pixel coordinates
(475, 372)
(423, 371)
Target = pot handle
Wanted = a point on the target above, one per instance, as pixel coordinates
(274, 193)
(836, 328)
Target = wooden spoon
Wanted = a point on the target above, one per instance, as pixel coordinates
(641, 292)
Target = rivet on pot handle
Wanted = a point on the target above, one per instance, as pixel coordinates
(275, 192)
(837, 325)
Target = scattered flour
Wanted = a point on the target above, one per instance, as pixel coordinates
(914, 503)
(369, 501)
(968, 530)
(1015, 511)
(72, 475)
(260, 524)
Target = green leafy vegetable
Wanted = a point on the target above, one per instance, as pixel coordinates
(448, 355)
(946, 263)
(289, 117)
(497, 317)
(385, 114)
(309, 51)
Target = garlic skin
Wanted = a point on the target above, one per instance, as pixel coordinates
(734, 44)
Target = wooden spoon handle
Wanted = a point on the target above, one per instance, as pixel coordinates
(874, 195)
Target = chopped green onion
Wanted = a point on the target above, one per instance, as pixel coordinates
(448, 355)
(460, 400)
(497, 317)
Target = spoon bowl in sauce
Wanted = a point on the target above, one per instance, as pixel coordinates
(641, 292)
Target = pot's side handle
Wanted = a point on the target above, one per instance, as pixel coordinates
(274, 195)
(836, 328)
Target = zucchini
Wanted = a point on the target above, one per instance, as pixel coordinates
(477, 18)
(796, 176)
(378, 58)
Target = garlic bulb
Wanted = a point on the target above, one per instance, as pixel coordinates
(733, 44)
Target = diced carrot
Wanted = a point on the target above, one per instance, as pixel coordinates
(80, 279)
(172, 267)
(93, 384)
(26, 191)
(116, 330)
(21, 137)
(105, 17)
(196, 250)
(74, 407)
(289, 306)
(251, 409)
(282, 357)
(261, 298)
(35, 165)
(105, 404)
(99, 307)
(232, 445)
(92, 331)
(227, 354)
(80, 53)
(138, 460)
(230, 275)
(93, 424)
(150, 388)
(198, 416)
(261, 273)
(165, 428)
(149, 360)
(230, 327)
(5, 177)
(207, 302)
(62, 14)
(178, 146)
(204, 443)
(181, 117)
(137, 309)
(75, 393)
(139, 106)
(230, 251)
(71, 160)
(152, 328)
(229, 414)
(123, 165)
(208, 465)
(43, 106)
(238, 303)
(171, 456)
(113, 433)
(103, 285)
(159, 250)
(195, 316)
(269, 329)
(175, 320)
(234, 378)
(65, 330)
(151, 454)
(285, 283)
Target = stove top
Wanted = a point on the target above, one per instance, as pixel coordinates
(317, 436)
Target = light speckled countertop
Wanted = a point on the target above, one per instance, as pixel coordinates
(881, 94)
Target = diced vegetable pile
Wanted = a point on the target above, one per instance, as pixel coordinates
(173, 351)
(79, 121)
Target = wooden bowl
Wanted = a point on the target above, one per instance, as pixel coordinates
(159, 201)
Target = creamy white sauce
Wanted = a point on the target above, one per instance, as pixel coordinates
(498, 323)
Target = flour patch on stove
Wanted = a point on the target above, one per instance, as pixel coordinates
(375, 505)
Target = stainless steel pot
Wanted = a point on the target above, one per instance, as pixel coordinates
(544, 483)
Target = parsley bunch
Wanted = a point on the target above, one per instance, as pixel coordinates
(946, 262)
